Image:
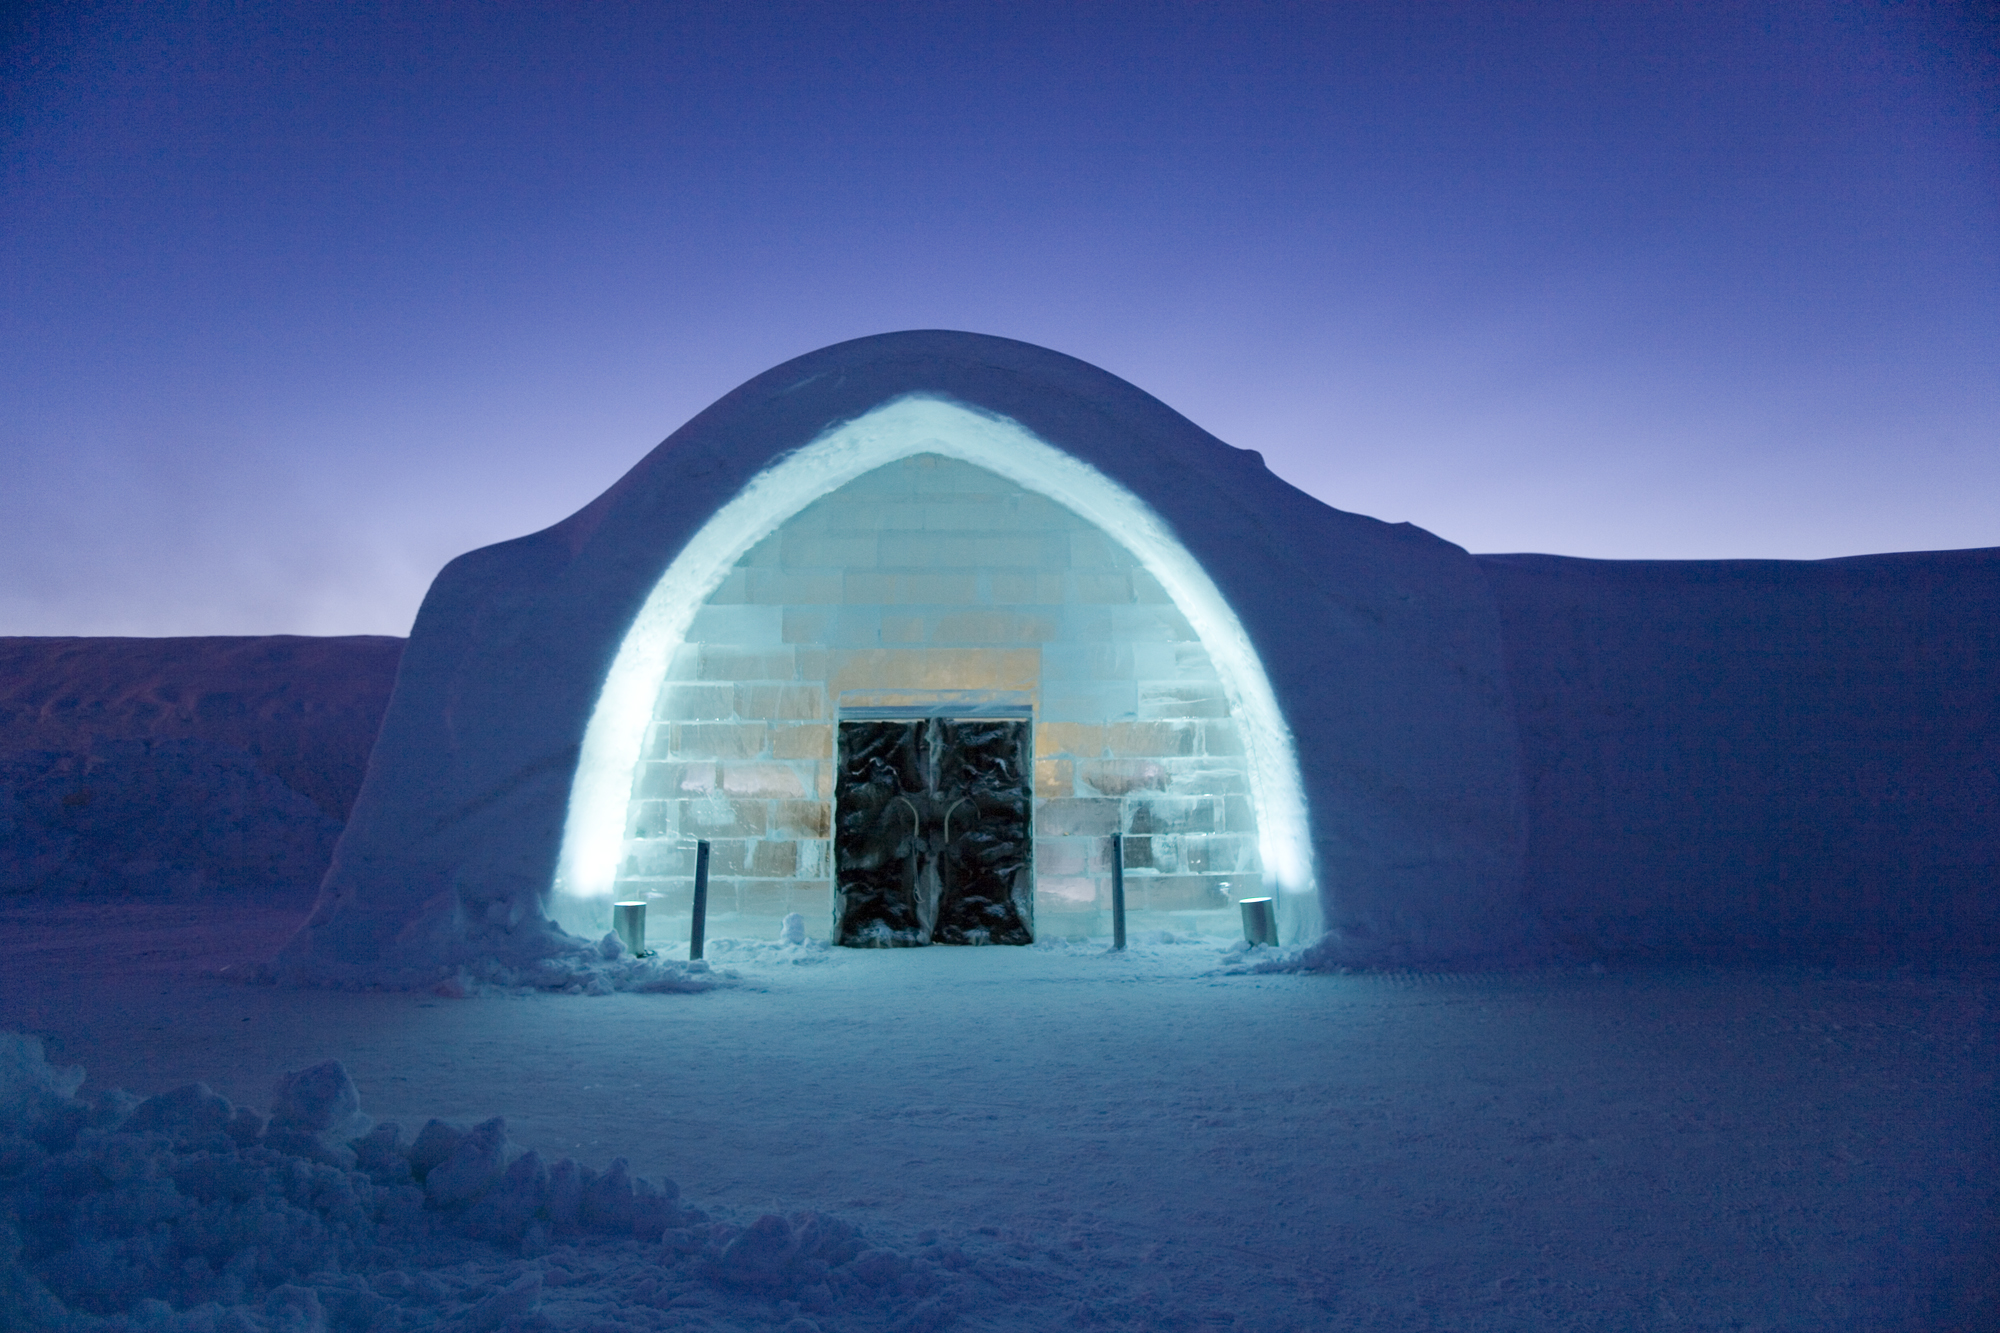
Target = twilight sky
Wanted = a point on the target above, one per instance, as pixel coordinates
(302, 300)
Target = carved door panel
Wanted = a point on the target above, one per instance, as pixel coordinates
(985, 868)
(879, 854)
(932, 837)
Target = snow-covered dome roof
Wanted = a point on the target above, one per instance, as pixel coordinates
(1376, 647)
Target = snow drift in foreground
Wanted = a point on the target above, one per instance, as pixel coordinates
(184, 1214)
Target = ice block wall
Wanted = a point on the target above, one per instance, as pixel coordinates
(933, 574)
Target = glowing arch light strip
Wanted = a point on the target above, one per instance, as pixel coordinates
(594, 831)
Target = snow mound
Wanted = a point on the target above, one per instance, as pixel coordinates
(1244, 957)
(1143, 946)
(573, 967)
(603, 968)
(781, 952)
(181, 1213)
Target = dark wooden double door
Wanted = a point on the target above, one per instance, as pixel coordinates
(932, 840)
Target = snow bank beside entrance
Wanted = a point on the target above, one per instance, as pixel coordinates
(602, 968)
(182, 1213)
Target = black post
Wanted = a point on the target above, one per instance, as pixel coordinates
(700, 926)
(1117, 891)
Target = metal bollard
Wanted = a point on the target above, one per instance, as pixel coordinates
(629, 920)
(1260, 921)
(1117, 891)
(699, 927)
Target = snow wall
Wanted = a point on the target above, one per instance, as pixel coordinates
(1381, 644)
(305, 710)
(1760, 758)
(175, 767)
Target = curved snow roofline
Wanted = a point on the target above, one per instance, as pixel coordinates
(916, 423)
(1380, 642)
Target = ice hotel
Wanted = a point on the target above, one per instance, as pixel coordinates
(905, 630)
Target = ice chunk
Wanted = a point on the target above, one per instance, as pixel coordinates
(506, 1307)
(245, 1127)
(607, 1203)
(28, 1082)
(567, 1181)
(436, 1142)
(319, 1101)
(381, 1154)
(505, 1211)
(473, 1167)
(761, 1255)
(188, 1112)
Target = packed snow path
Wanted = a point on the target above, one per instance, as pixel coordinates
(1170, 1144)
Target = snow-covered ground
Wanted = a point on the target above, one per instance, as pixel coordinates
(1056, 1137)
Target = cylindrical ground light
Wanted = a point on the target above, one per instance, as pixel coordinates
(1260, 921)
(629, 920)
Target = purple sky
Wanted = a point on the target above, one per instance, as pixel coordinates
(302, 300)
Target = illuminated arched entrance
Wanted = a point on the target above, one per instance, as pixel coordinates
(944, 562)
